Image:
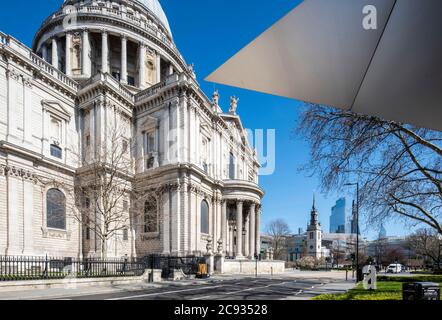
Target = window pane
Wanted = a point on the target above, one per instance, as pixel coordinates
(204, 217)
(56, 151)
(56, 209)
(150, 216)
(232, 167)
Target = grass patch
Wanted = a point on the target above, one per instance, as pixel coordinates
(414, 278)
(389, 288)
(386, 291)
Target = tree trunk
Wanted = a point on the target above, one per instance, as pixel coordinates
(104, 248)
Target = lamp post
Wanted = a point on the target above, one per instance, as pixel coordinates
(357, 227)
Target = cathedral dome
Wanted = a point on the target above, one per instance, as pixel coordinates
(156, 9)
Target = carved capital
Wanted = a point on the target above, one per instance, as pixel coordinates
(27, 82)
(13, 74)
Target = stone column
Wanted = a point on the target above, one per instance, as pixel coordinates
(246, 237)
(158, 68)
(44, 52)
(224, 225)
(68, 54)
(123, 70)
(55, 52)
(13, 186)
(252, 230)
(258, 232)
(239, 220)
(28, 207)
(142, 66)
(85, 54)
(104, 52)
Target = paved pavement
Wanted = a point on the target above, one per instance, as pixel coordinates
(290, 286)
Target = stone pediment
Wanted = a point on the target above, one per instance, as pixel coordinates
(56, 109)
(149, 124)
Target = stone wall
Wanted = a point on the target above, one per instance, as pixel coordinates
(249, 267)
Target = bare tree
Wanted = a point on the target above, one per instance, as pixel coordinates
(279, 231)
(398, 166)
(427, 243)
(103, 188)
(105, 203)
(395, 255)
(381, 252)
(338, 252)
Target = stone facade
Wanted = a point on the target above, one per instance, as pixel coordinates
(117, 65)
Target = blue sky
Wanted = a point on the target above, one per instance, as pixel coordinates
(208, 32)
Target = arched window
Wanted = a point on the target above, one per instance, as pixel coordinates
(232, 167)
(150, 215)
(56, 209)
(204, 217)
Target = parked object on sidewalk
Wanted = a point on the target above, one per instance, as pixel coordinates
(421, 291)
(202, 271)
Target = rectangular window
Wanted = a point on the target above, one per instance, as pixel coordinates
(312, 236)
(131, 81)
(55, 130)
(232, 160)
(56, 151)
(125, 235)
(125, 146)
(149, 143)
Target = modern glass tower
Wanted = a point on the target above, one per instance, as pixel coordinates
(337, 218)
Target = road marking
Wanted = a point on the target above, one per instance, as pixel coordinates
(163, 293)
(244, 290)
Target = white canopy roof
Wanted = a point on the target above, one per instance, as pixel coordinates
(321, 53)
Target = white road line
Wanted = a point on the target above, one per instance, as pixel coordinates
(244, 290)
(163, 293)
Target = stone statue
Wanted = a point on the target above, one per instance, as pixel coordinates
(215, 98)
(191, 68)
(233, 104)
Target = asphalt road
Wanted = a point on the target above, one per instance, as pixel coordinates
(230, 289)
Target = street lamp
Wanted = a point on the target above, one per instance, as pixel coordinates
(357, 227)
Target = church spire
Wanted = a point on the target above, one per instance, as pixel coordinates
(314, 213)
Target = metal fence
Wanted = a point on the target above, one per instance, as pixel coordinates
(13, 268)
(188, 264)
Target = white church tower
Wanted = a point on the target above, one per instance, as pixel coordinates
(314, 234)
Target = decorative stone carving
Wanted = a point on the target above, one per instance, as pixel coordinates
(56, 234)
(13, 74)
(209, 246)
(18, 173)
(220, 246)
(27, 82)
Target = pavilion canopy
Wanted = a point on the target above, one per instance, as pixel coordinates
(321, 53)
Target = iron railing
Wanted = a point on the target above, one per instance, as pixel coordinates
(14, 268)
(188, 264)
